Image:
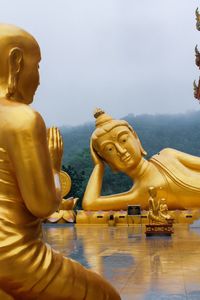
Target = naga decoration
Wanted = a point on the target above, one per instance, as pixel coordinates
(197, 59)
(197, 55)
(196, 90)
(197, 19)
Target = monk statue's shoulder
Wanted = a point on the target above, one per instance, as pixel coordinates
(26, 119)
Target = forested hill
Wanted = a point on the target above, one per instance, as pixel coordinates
(180, 131)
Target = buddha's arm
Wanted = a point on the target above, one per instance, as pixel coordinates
(111, 202)
(186, 159)
(29, 153)
(93, 201)
(94, 187)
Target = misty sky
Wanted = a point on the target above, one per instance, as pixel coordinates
(125, 56)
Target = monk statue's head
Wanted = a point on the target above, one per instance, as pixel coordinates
(152, 191)
(116, 142)
(19, 62)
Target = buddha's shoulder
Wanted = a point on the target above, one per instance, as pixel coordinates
(167, 152)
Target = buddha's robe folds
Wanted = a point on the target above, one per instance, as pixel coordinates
(182, 174)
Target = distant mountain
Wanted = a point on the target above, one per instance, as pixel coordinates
(179, 131)
(76, 139)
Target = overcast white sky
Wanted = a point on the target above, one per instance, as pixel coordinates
(125, 56)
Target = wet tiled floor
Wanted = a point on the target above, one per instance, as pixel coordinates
(140, 268)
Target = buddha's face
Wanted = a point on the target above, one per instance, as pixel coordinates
(119, 148)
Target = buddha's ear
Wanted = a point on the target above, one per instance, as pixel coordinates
(144, 153)
(15, 65)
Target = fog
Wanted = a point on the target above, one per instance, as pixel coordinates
(125, 56)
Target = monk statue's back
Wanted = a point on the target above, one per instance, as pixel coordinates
(30, 186)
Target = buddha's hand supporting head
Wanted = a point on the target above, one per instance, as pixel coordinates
(55, 144)
(19, 60)
(97, 160)
(116, 143)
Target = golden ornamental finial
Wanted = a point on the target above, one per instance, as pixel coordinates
(98, 112)
(196, 89)
(197, 57)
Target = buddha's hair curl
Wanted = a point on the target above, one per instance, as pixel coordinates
(104, 123)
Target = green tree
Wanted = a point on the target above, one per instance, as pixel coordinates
(77, 189)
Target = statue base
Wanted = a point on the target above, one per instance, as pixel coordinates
(159, 230)
(110, 218)
(121, 218)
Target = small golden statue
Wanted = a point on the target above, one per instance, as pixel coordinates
(158, 210)
(175, 175)
(164, 213)
(160, 222)
(30, 188)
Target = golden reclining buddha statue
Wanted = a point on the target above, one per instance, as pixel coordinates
(174, 174)
(30, 187)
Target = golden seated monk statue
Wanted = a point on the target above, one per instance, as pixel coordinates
(164, 213)
(175, 175)
(30, 186)
(155, 215)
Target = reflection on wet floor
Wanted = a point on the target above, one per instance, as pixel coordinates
(140, 268)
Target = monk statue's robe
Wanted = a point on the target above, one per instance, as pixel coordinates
(30, 190)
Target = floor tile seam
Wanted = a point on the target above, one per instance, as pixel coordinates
(125, 285)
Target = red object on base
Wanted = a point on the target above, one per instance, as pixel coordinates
(159, 230)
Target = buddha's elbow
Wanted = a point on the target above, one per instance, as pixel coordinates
(85, 205)
(88, 205)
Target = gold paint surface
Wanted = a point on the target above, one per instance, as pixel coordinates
(174, 174)
(66, 183)
(30, 189)
(158, 210)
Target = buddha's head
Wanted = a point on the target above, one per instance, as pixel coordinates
(116, 142)
(19, 61)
